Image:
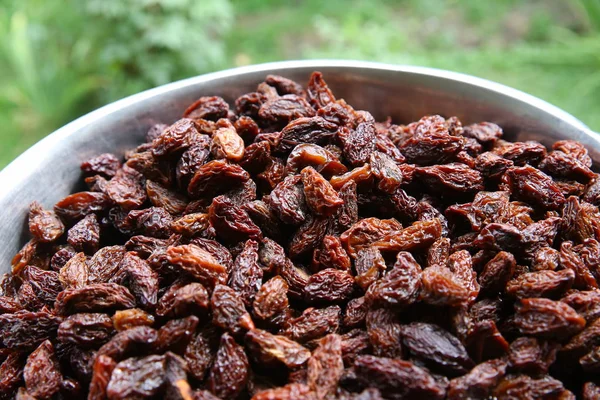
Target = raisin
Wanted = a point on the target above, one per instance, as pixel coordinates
(484, 132)
(359, 144)
(308, 236)
(436, 347)
(397, 379)
(570, 260)
(287, 200)
(545, 283)
(212, 177)
(200, 352)
(226, 143)
(26, 330)
(320, 196)
(199, 263)
(160, 196)
(367, 231)
(562, 165)
(44, 225)
(231, 223)
(137, 377)
(78, 205)
(271, 300)
(246, 275)
(181, 300)
(104, 264)
(86, 330)
(530, 356)
(497, 272)
(314, 130)
(431, 142)
(586, 303)
(329, 285)
(46, 284)
(281, 110)
(325, 366)
(192, 159)
(287, 392)
(491, 165)
(479, 382)
(521, 153)
(85, 235)
(176, 334)
(318, 92)
(383, 329)
(129, 342)
(454, 177)
(153, 221)
(532, 185)
(359, 175)
(523, 386)
(75, 273)
(126, 189)
(141, 279)
(275, 350)
(400, 286)
(331, 255)
(126, 319)
(228, 310)
(42, 373)
(314, 323)
(579, 221)
(590, 391)
(547, 318)
(228, 375)
(94, 297)
(211, 108)
(386, 172)
(106, 164)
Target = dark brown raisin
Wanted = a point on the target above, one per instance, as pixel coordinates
(44, 225)
(314, 323)
(42, 373)
(105, 164)
(329, 285)
(275, 351)
(397, 379)
(325, 366)
(86, 330)
(228, 310)
(547, 318)
(94, 297)
(228, 375)
(400, 285)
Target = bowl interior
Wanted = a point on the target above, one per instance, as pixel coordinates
(50, 170)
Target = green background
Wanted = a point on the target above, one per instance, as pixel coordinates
(62, 58)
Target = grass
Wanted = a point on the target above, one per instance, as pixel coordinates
(58, 67)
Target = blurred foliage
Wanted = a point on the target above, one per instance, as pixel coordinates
(62, 58)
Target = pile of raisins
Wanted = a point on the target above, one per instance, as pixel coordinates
(294, 248)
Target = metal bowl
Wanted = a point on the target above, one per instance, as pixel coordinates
(49, 170)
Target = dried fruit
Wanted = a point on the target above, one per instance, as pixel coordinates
(44, 225)
(42, 373)
(325, 366)
(400, 286)
(228, 375)
(427, 260)
(275, 351)
(397, 379)
(547, 318)
(228, 310)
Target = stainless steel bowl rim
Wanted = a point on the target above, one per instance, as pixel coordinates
(10, 175)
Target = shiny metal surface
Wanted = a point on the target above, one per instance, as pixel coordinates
(49, 170)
